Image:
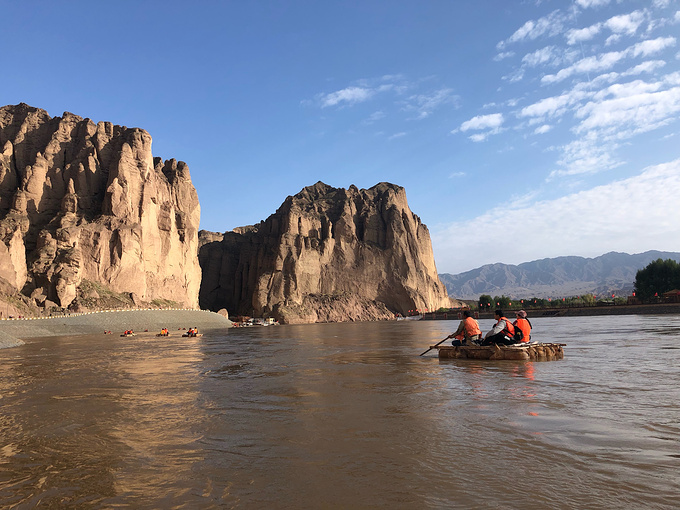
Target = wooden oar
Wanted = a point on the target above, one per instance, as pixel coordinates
(435, 345)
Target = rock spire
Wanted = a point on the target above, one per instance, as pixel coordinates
(85, 201)
(327, 254)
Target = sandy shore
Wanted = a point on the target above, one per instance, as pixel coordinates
(12, 332)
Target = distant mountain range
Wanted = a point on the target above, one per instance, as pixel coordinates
(611, 273)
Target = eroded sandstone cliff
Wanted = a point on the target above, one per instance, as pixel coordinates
(327, 254)
(84, 201)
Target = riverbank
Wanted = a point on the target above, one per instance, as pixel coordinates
(651, 309)
(14, 331)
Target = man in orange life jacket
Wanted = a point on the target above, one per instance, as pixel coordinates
(524, 325)
(468, 331)
(502, 333)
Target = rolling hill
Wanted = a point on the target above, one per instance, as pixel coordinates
(611, 273)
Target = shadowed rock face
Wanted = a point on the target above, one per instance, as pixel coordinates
(80, 200)
(327, 254)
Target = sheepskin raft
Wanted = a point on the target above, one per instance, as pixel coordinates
(532, 351)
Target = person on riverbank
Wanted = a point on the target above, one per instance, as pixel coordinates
(524, 326)
(503, 332)
(468, 332)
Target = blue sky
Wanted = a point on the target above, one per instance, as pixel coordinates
(520, 130)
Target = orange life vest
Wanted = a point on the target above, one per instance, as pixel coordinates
(509, 329)
(525, 326)
(470, 329)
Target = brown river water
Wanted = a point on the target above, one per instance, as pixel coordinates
(343, 416)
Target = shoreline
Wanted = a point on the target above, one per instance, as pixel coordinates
(14, 332)
(650, 309)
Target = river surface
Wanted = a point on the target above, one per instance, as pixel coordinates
(344, 416)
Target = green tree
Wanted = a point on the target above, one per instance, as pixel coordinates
(485, 302)
(588, 299)
(502, 302)
(658, 277)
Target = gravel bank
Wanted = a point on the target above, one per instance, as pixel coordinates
(13, 331)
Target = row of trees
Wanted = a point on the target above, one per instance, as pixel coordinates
(486, 302)
(658, 277)
(650, 283)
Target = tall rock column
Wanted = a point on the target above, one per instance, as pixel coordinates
(326, 254)
(85, 201)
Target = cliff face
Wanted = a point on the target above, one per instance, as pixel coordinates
(85, 201)
(327, 254)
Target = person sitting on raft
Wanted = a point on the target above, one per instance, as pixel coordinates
(502, 333)
(468, 332)
(524, 325)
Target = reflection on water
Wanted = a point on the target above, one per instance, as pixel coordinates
(343, 416)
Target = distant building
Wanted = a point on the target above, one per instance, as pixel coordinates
(672, 296)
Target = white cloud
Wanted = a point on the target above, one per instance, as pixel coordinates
(397, 135)
(375, 117)
(349, 95)
(480, 137)
(630, 215)
(577, 35)
(426, 104)
(586, 156)
(503, 55)
(631, 109)
(456, 175)
(645, 67)
(646, 48)
(539, 57)
(515, 76)
(598, 63)
(554, 106)
(493, 120)
(591, 3)
(612, 39)
(625, 23)
(551, 24)
(606, 61)
(542, 129)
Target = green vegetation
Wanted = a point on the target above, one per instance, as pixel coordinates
(658, 277)
(94, 295)
(165, 303)
(488, 303)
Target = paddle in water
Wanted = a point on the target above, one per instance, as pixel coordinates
(435, 345)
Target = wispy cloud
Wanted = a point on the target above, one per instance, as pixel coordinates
(551, 24)
(606, 61)
(597, 220)
(577, 35)
(626, 23)
(426, 104)
(491, 123)
(374, 117)
(349, 96)
(389, 96)
(591, 3)
(492, 120)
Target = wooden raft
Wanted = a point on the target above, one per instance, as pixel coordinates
(534, 352)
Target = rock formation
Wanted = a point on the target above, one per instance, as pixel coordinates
(84, 201)
(327, 254)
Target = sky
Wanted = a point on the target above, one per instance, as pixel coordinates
(520, 130)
